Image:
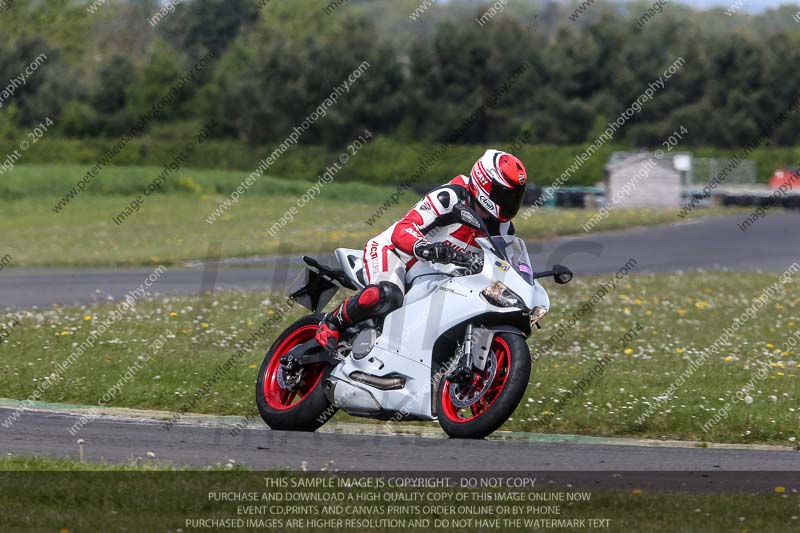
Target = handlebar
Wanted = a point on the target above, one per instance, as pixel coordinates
(473, 262)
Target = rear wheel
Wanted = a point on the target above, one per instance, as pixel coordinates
(476, 409)
(294, 402)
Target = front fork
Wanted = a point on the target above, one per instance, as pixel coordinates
(468, 347)
(463, 372)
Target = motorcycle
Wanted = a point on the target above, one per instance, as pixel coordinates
(455, 352)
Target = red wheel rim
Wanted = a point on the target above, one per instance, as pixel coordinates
(276, 396)
(470, 413)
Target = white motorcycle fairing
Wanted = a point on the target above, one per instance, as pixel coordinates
(398, 375)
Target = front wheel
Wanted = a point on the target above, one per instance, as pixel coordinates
(293, 402)
(476, 409)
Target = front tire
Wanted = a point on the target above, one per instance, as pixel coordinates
(476, 410)
(304, 408)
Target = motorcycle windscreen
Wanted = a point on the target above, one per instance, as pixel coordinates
(518, 257)
(515, 251)
(311, 290)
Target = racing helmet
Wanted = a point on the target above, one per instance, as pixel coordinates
(497, 182)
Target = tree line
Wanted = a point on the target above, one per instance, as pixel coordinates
(278, 60)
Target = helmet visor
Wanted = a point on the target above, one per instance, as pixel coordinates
(508, 200)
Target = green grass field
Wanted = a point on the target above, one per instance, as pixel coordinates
(50, 464)
(679, 315)
(171, 228)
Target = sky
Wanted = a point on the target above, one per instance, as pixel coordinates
(753, 6)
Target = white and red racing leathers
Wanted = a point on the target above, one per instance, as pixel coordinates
(389, 255)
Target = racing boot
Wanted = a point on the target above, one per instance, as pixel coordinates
(372, 301)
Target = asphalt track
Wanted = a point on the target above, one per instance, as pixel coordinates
(209, 442)
(715, 243)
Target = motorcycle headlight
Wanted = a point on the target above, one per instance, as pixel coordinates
(501, 296)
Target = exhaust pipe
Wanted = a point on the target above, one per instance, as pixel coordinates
(387, 383)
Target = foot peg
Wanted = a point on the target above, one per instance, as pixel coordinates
(289, 363)
(308, 353)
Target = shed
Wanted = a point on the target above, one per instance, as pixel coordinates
(640, 179)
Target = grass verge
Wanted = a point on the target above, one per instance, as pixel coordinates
(50, 464)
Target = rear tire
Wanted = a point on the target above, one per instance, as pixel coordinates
(306, 408)
(512, 360)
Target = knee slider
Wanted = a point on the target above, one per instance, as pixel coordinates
(391, 297)
(380, 299)
(369, 297)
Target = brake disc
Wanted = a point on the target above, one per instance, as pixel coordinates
(465, 395)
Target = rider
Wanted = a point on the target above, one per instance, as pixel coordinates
(431, 232)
